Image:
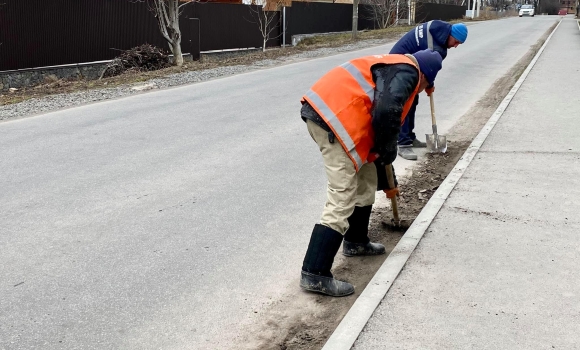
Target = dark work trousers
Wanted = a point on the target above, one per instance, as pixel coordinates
(406, 136)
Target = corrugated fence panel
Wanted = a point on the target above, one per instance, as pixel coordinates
(229, 26)
(429, 11)
(36, 33)
(317, 17)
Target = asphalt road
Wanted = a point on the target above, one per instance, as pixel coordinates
(171, 218)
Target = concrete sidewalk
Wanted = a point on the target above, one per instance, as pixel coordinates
(499, 267)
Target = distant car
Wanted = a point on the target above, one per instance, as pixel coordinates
(527, 10)
(563, 12)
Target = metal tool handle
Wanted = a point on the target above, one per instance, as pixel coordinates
(391, 181)
(433, 120)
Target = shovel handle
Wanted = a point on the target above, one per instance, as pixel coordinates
(391, 181)
(433, 121)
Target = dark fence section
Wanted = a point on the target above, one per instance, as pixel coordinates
(229, 26)
(317, 17)
(36, 33)
(430, 11)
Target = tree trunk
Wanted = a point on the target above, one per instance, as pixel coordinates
(175, 34)
(177, 54)
(167, 13)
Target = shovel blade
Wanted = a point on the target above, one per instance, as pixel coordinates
(436, 143)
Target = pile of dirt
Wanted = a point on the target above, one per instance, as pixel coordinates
(144, 58)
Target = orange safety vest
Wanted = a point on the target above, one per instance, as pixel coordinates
(344, 98)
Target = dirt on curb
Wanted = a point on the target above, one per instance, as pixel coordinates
(302, 320)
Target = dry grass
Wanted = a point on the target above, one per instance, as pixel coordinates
(486, 15)
(340, 39)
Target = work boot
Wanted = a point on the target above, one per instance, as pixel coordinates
(419, 144)
(356, 239)
(406, 152)
(316, 276)
(361, 249)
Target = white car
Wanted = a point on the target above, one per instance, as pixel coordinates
(527, 10)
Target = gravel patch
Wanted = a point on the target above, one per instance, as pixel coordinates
(55, 102)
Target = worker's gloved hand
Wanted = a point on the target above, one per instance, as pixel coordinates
(382, 180)
(430, 89)
(391, 193)
(386, 157)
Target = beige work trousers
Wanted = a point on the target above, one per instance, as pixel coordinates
(346, 188)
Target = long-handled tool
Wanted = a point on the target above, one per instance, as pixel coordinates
(435, 143)
(396, 222)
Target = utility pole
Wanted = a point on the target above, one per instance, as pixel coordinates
(283, 26)
(354, 18)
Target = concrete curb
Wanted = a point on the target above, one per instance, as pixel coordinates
(353, 323)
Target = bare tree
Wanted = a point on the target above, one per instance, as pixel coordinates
(265, 15)
(167, 13)
(499, 4)
(383, 12)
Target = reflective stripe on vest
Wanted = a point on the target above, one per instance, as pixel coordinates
(420, 33)
(429, 36)
(337, 127)
(360, 79)
(344, 98)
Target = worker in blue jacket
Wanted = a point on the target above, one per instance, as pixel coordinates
(435, 35)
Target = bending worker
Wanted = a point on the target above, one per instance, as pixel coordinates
(433, 35)
(354, 114)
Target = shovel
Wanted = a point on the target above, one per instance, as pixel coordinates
(396, 223)
(435, 143)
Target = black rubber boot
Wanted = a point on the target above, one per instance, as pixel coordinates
(356, 239)
(316, 276)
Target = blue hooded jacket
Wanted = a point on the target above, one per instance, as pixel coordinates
(435, 32)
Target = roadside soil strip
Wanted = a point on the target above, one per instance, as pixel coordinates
(305, 321)
(354, 322)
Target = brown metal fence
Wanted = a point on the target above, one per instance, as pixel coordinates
(318, 17)
(429, 11)
(230, 26)
(37, 33)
